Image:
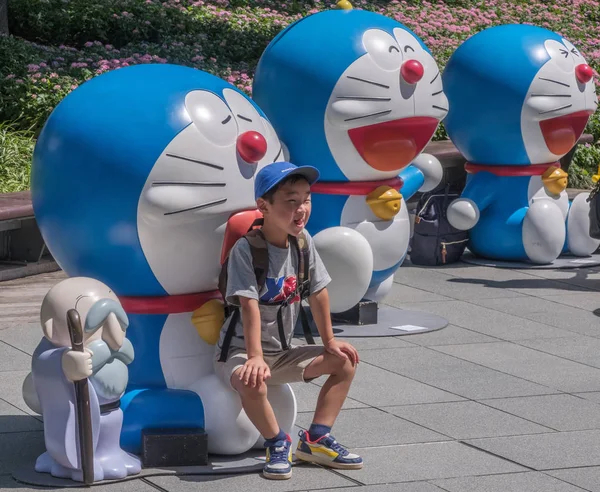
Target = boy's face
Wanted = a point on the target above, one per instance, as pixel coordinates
(290, 208)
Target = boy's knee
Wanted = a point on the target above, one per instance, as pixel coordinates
(257, 392)
(344, 368)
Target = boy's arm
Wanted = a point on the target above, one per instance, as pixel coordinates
(255, 370)
(242, 291)
(251, 325)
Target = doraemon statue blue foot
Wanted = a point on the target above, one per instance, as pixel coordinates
(359, 96)
(135, 176)
(520, 97)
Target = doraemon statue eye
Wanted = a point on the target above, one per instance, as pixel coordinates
(212, 117)
(383, 49)
(560, 55)
(252, 133)
(412, 47)
(246, 115)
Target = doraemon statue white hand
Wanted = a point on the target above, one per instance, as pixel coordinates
(520, 97)
(134, 178)
(358, 96)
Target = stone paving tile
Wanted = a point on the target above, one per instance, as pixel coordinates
(450, 335)
(546, 451)
(547, 313)
(303, 478)
(23, 336)
(578, 348)
(405, 293)
(14, 420)
(307, 394)
(364, 427)
(528, 285)
(489, 322)
(589, 301)
(513, 482)
(19, 448)
(559, 412)
(441, 284)
(426, 462)
(135, 485)
(397, 487)
(12, 359)
(466, 420)
(541, 368)
(586, 478)
(452, 374)
(593, 396)
(11, 384)
(379, 387)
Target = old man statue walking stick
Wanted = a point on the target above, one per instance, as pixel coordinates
(82, 397)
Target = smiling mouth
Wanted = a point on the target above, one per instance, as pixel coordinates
(562, 133)
(392, 145)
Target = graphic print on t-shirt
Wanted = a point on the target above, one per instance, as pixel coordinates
(278, 289)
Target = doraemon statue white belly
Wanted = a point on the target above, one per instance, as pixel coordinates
(513, 117)
(358, 96)
(135, 176)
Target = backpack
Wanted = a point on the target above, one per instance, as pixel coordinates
(260, 263)
(594, 213)
(435, 241)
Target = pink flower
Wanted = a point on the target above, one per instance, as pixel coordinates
(57, 87)
(33, 96)
(10, 76)
(89, 44)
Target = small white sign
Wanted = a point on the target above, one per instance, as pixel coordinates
(408, 328)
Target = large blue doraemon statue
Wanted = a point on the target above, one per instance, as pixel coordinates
(520, 97)
(358, 96)
(135, 176)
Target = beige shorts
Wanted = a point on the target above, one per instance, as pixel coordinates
(286, 367)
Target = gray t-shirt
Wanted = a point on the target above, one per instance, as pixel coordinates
(280, 282)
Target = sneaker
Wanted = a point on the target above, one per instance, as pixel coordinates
(326, 451)
(279, 460)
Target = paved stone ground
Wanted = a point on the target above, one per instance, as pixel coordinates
(506, 398)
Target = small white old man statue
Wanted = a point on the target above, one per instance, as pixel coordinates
(56, 367)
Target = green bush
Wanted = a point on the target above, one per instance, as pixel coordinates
(16, 151)
(583, 166)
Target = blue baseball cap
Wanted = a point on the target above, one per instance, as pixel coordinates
(274, 173)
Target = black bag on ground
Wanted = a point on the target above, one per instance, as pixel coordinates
(435, 241)
(594, 213)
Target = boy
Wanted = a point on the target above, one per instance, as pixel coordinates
(256, 353)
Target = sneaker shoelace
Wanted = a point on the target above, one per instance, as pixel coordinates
(279, 452)
(330, 441)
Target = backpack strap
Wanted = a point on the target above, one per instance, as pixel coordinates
(301, 245)
(260, 255)
(229, 334)
(260, 264)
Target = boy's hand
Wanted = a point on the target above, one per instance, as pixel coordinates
(343, 350)
(255, 371)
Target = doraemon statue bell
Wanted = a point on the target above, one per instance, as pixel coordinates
(357, 95)
(520, 97)
(135, 177)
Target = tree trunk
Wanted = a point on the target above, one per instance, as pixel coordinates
(3, 16)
